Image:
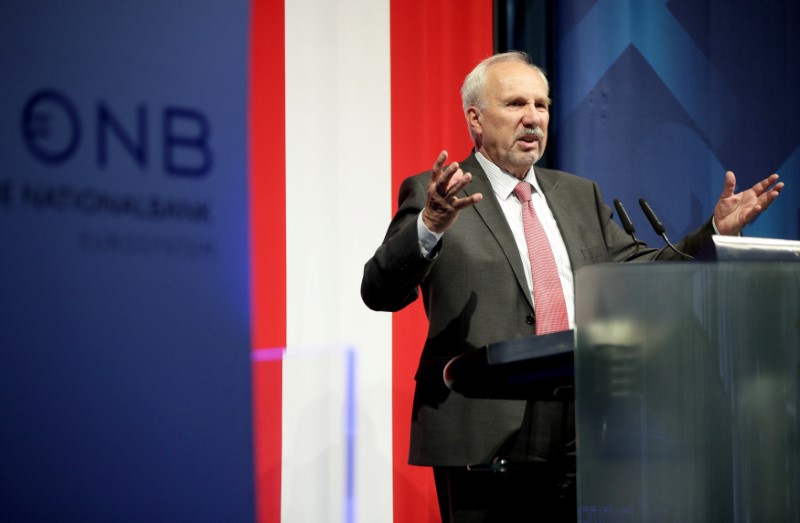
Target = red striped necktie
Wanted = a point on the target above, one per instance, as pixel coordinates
(548, 296)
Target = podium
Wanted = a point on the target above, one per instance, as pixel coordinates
(687, 392)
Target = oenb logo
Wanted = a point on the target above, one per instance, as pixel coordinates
(55, 131)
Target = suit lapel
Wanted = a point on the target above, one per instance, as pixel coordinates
(560, 202)
(492, 215)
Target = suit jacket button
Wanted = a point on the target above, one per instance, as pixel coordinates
(530, 320)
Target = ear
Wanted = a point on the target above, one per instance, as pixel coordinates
(474, 119)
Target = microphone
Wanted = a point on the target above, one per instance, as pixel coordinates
(659, 227)
(627, 224)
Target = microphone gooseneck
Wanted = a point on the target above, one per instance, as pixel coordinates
(659, 227)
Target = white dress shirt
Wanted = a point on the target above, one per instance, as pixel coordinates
(503, 184)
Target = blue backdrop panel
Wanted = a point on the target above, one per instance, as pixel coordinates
(125, 375)
(655, 99)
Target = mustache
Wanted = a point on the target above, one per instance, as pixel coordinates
(535, 131)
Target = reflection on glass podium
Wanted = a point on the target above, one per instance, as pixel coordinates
(687, 392)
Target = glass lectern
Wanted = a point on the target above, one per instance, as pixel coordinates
(686, 378)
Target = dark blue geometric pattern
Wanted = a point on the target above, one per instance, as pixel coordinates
(657, 99)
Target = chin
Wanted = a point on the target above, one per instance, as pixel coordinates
(525, 160)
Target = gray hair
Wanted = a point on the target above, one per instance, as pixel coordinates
(474, 83)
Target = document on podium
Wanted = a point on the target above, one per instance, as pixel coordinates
(742, 248)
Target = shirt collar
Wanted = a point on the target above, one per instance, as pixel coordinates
(503, 182)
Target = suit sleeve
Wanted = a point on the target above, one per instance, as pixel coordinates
(392, 276)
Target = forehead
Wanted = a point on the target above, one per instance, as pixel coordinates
(515, 79)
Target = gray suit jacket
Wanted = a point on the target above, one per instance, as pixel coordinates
(475, 293)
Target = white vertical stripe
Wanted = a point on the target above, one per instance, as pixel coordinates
(338, 203)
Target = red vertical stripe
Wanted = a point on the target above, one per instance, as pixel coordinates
(268, 242)
(434, 44)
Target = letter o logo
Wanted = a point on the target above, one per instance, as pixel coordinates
(50, 126)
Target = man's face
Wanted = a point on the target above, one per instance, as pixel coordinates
(516, 103)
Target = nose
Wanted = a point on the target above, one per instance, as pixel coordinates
(531, 116)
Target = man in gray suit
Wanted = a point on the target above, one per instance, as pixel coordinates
(458, 236)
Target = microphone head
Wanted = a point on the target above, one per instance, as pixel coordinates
(627, 224)
(651, 217)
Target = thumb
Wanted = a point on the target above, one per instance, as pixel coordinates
(730, 185)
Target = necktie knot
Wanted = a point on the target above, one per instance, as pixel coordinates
(523, 192)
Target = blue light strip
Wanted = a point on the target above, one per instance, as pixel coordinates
(350, 436)
(267, 354)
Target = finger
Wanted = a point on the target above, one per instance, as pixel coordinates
(729, 186)
(766, 199)
(457, 183)
(440, 160)
(436, 174)
(765, 184)
(448, 177)
(462, 203)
